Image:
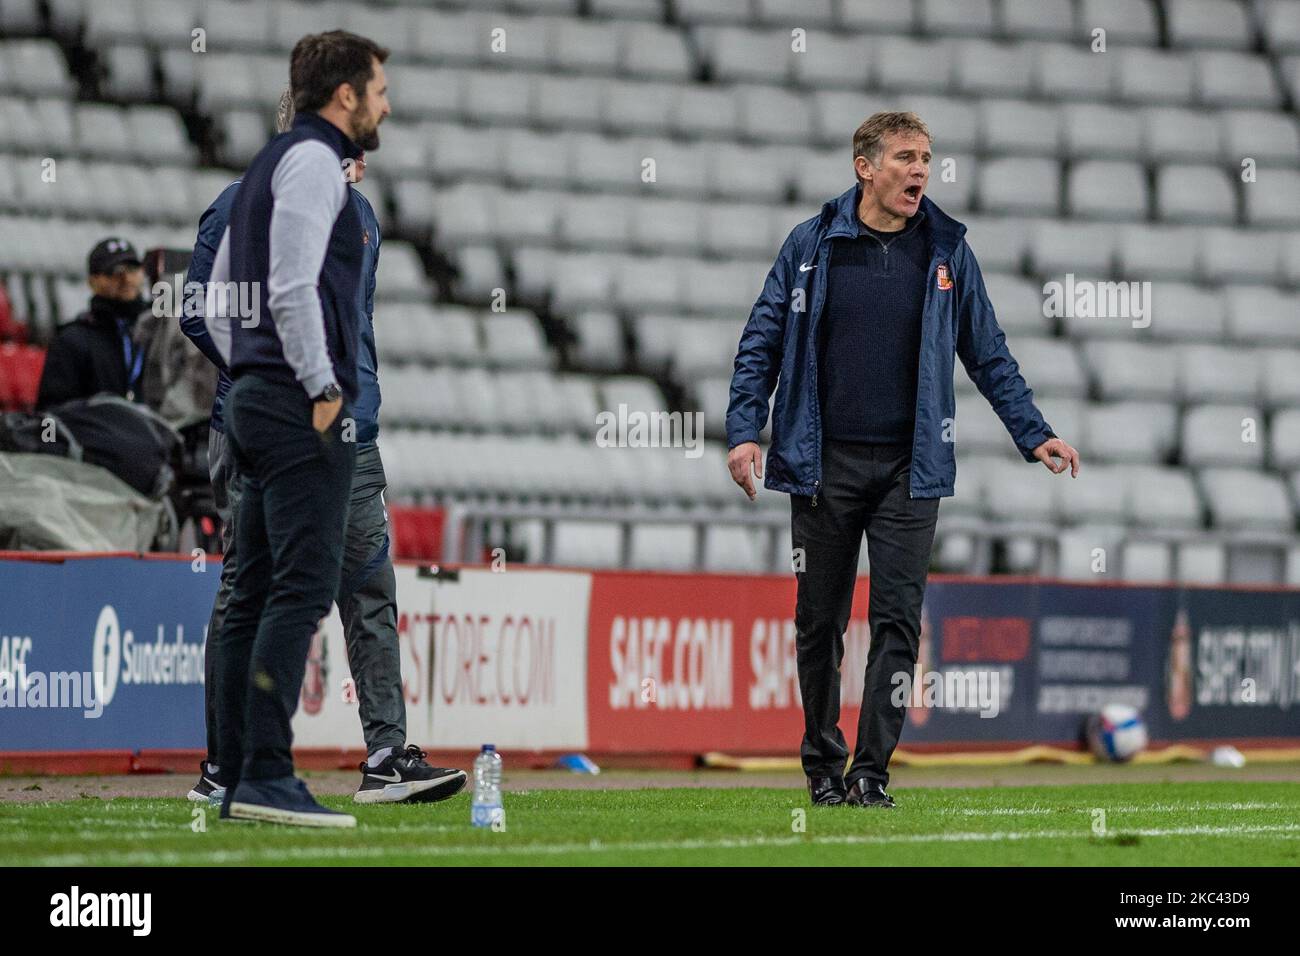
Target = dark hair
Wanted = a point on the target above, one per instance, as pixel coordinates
(321, 61)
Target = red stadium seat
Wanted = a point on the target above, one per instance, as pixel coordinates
(31, 363)
(417, 532)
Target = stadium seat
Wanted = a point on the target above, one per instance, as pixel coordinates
(662, 547)
(1201, 562)
(1223, 435)
(1140, 432)
(1147, 561)
(1240, 499)
(1163, 497)
(1195, 194)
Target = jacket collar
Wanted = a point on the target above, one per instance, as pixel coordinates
(841, 216)
(335, 137)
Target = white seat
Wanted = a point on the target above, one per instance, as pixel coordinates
(637, 107)
(574, 45)
(1284, 439)
(1099, 495)
(1266, 137)
(1038, 19)
(1161, 497)
(1280, 376)
(1019, 127)
(1275, 201)
(833, 61)
(1107, 190)
(1072, 72)
(1147, 561)
(1244, 499)
(962, 18)
(884, 16)
(663, 547)
(1177, 134)
(1217, 373)
(666, 225)
(897, 59)
(1126, 21)
(1099, 130)
(733, 548)
(1235, 80)
(1217, 435)
(1263, 315)
(1012, 186)
(1017, 303)
(1208, 23)
(1281, 26)
(1148, 252)
(985, 68)
(1132, 370)
(1195, 194)
(749, 55)
(1131, 432)
(770, 115)
(1149, 76)
(656, 51)
(1078, 552)
(1202, 562)
(599, 342)
(129, 73)
(1237, 255)
(705, 111)
(587, 544)
(1181, 310)
(1059, 247)
(514, 338)
(599, 221)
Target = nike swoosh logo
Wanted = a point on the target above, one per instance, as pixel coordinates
(804, 267)
(395, 778)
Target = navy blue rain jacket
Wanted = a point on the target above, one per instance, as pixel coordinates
(778, 350)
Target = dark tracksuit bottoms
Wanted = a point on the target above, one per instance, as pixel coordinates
(868, 360)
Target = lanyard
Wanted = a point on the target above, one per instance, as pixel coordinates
(133, 359)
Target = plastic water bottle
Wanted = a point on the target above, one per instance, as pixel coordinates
(486, 808)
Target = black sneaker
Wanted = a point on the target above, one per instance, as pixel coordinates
(826, 791)
(207, 790)
(404, 776)
(869, 793)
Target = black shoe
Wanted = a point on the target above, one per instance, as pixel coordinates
(869, 793)
(826, 791)
(208, 789)
(404, 776)
(284, 800)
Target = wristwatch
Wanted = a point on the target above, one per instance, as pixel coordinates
(331, 393)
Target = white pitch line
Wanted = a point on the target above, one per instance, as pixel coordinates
(272, 855)
(1152, 808)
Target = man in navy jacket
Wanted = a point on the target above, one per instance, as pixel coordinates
(860, 319)
(367, 598)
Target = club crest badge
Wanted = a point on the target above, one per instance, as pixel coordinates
(943, 278)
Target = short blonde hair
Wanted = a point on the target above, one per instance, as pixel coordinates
(869, 139)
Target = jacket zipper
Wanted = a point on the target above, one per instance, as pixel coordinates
(816, 485)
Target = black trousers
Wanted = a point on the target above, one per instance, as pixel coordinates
(864, 489)
(289, 536)
(367, 597)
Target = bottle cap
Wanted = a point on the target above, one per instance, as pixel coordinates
(489, 748)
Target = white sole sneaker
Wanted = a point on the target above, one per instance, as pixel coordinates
(413, 789)
(294, 818)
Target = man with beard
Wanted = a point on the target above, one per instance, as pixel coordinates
(282, 312)
(97, 352)
(393, 771)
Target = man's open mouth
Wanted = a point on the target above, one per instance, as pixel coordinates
(913, 193)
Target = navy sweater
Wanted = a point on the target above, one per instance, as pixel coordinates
(869, 346)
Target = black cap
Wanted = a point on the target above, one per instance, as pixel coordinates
(110, 253)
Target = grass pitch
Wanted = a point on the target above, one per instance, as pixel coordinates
(1113, 824)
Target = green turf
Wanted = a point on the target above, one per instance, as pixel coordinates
(1185, 824)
